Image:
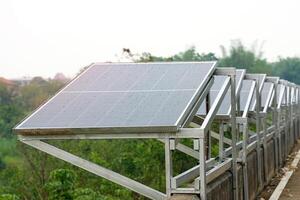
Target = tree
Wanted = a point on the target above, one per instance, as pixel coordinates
(10, 111)
(60, 185)
(88, 194)
(240, 57)
(188, 55)
(9, 197)
(288, 69)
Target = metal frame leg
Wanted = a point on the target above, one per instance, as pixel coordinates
(258, 126)
(265, 149)
(244, 158)
(221, 142)
(202, 168)
(168, 166)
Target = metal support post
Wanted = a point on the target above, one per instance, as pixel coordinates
(168, 166)
(277, 137)
(244, 159)
(264, 125)
(208, 138)
(234, 137)
(221, 142)
(202, 168)
(286, 121)
(258, 126)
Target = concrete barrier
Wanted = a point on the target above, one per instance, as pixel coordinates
(221, 187)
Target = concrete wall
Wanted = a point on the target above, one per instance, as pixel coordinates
(221, 188)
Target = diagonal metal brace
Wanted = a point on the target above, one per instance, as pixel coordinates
(97, 170)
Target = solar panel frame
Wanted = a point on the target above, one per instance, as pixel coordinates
(261, 81)
(293, 94)
(244, 93)
(240, 73)
(280, 94)
(276, 80)
(121, 129)
(266, 94)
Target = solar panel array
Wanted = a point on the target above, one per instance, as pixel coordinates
(138, 97)
(153, 97)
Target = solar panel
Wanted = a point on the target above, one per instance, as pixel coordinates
(297, 95)
(286, 94)
(280, 93)
(215, 88)
(266, 91)
(123, 97)
(246, 89)
(244, 94)
(293, 95)
(261, 80)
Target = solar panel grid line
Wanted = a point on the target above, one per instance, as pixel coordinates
(93, 80)
(130, 114)
(74, 99)
(139, 103)
(76, 103)
(196, 95)
(54, 96)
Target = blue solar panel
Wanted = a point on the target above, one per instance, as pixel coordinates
(124, 97)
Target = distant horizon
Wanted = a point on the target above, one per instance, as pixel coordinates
(41, 38)
(120, 59)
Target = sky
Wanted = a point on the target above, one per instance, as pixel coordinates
(41, 38)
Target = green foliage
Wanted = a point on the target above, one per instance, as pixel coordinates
(60, 185)
(9, 197)
(88, 194)
(288, 69)
(240, 57)
(85, 194)
(188, 55)
(10, 110)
